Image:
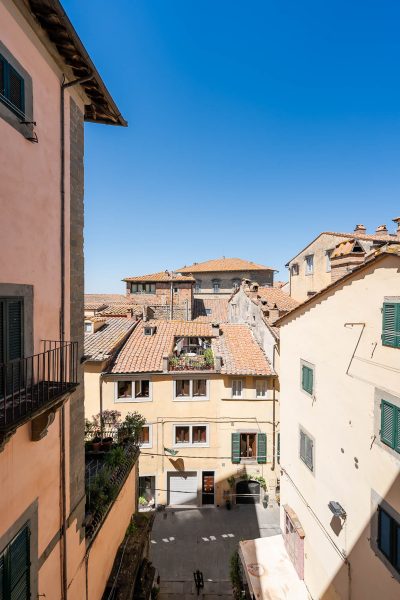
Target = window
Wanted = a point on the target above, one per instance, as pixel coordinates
(88, 327)
(124, 389)
(294, 269)
(191, 389)
(197, 286)
(208, 312)
(389, 538)
(145, 439)
(261, 388)
(236, 284)
(11, 341)
(390, 425)
(12, 88)
(143, 288)
(216, 286)
(307, 379)
(142, 388)
(249, 446)
(328, 260)
(237, 388)
(15, 567)
(307, 450)
(191, 435)
(309, 264)
(391, 324)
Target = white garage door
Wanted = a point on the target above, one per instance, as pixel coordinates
(182, 488)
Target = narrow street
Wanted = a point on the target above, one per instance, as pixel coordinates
(186, 540)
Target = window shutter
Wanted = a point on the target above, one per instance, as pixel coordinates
(307, 381)
(310, 381)
(2, 339)
(262, 448)
(14, 329)
(309, 454)
(391, 324)
(397, 442)
(302, 446)
(236, 448)
(2, 597)
(2, 79)
(19, 566)
(388, 423)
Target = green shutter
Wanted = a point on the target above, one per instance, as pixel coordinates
(388, 423)
(15, 568)
(262, 448)
(304, 377)
(391, 324)
(302, 446)
(309, 453)
(307, 380)
(397, 435)
(2, 597)
(236, 448)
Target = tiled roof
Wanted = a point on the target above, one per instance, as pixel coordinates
(241, 354)
(347, 247)
(224, 264)
(274, 297)
(95, 305)
(217, 306)
(104, 298)
(161, 276)
(280, 284)
(101, 344)
(121, 310)
(144, 353)
(96, 319)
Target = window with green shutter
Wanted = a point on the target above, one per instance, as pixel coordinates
(262, 448)
(12, 88)
(11, 341)
(307, 450)
(390, 425)
(15, 568)
(236, 448)
(307, 379)
(389, 538)
(391, 324)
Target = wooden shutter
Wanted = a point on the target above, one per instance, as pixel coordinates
(391, 324)
(236, 448)
(302, 446)
(388, 423)
(309, 453)
(307, 379)
(2, 84)
(14, 344)
(19, 566)
(262, 448)
(2, 597)
(397, 437)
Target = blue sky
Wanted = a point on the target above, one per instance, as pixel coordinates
(253, 126)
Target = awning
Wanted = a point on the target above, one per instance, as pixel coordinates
(269, 571)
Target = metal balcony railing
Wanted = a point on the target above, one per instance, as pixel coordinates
(27, 385)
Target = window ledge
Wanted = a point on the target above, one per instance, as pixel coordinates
(130, 399)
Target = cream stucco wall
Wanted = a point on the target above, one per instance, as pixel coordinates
(220, 412)
(352, 466)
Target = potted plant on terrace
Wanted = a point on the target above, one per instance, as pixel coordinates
(131, 427)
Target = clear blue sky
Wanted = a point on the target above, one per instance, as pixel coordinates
(253, 126)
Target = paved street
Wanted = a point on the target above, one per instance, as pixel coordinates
(184, 540)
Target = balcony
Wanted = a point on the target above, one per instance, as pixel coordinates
(30, 386)
(192, 361)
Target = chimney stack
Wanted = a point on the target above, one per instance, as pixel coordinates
(382, 229)
(215, 329)
(397, 221)
(273, 313)
(360, 229)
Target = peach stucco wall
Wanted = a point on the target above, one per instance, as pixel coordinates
(105, 545)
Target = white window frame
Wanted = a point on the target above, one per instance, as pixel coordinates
(90, 327)
(191, 444)
(191, 398)
(309, 271)
(328, 265)
(216, 283)
(264, 385)
(148, 444)
(132, 397)
(235, 396)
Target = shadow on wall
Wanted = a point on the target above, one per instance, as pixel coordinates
(368, 574)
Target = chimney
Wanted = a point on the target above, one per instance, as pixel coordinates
(273, 313)
(360, 229)
(382, 229)
(144, 312)
(215, 329)
(165, 363)
(218, 364)
(129, 313)
(397, 221)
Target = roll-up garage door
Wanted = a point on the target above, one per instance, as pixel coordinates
(182, 488)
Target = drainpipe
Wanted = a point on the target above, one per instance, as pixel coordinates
(63, 498)
(172, 297)
(273, 410)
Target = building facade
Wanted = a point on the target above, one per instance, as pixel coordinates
(48, 88)
(310, 270)
(222, 276)
(340, 403)
(207, 395)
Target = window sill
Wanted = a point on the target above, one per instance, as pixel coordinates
(191, 399)
(129, 399)
(180, 446)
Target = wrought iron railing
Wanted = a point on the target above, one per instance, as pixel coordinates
(29, 384)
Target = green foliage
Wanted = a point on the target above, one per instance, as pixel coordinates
(142, 501)
(208, 356)
(173, 361)
(133, 424)
(231, 481)
(131, 529)
(234, 575)
(155, 592)
(115, 457)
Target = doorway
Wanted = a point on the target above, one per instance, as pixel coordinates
(208, 487)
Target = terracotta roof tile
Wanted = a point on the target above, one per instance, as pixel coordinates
(95, 305)
(161, 276)
(218, 308)
(224, 264)
(101, 344)
(121, 310)
(104, 298)
(241, 354)
(274, 297)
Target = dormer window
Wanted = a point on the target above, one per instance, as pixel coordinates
(88, 327)
(149, 330)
